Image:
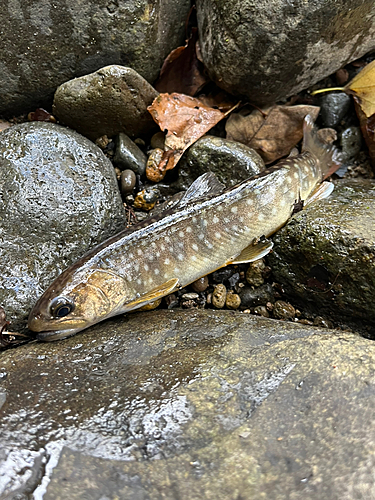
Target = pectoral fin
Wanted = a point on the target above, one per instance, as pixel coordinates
(253, 252)
(154, 294)
(320, 193)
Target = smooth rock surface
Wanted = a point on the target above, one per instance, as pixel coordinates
(59, 198)
(46, 43)
(270, 49)
(324, 257)
(189, 405)
(129, 156)
(113, 99)
(230, 161)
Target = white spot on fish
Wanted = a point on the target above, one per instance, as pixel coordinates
(156, 271)
(167, 261)
(146, 267)
(217, 235)
(296, 175)
(162, 247)
(136, 267)
(275, 211)
(220, 208)
(241, 219)
(189, 229)
(131, 256)
(234, 210)
(139, 281)
(167, 239)
(195, 247)
(176, 270)
(215, 220)
(193, 257)
(205, 223)
(153, 244)
(208, 244)
(249, 201)
(201, 236)
(260, 217)
(181, 234)
(194, 219)
(180, 256)
(139, 251)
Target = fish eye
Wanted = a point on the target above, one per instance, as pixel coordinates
(60, 307)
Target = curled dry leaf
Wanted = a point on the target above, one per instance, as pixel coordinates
(184, 119)
(363, 87)
(272, 132)
(182, 71)
(41, 115)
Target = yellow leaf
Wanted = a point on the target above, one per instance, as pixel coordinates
(363, 86)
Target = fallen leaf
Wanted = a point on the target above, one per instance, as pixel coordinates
(272, 132)
(184, 119)
(41, 115)
(367, 125)
(182, 71)
(363, 87)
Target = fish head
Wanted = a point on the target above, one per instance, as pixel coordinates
(75, 301)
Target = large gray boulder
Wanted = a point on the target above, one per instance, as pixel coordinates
(189, 405)
(58, 198)
(270, 49)
(46, 43)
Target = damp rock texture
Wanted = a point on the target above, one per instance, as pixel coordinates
(324, 257)
(46, 43)
(114, 99)
(191, 405)
(270, 49)
(59, 198)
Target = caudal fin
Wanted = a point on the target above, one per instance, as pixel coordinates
(327, 154)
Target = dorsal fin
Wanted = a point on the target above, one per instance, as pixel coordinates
(206, 185)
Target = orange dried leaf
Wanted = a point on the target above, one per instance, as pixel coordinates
(272, 132)
(363, 87)
(184, 119)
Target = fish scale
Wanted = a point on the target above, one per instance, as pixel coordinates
(208, 229)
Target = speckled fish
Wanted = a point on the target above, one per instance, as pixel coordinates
(208, 229)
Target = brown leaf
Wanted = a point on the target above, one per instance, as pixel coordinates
(363, 87)
(367, 125)
(184, 119)
(272, 132)
(182, 71)
(41, 115)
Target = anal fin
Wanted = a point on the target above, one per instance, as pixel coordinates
(320, 193)
(154, 294)
(253, 252)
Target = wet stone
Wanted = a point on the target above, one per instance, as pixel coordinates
(324, 257)
(351, 143)
(254, 274)
(334, 107)
(283, 310)
(157, 141)
(147, 198)
(256, 297)
(222, 274)
(114, 99)
(261, 311)
(188, 405)
(219, 296)
(200, 285)
(232, 300)
(230, 161)
(129, 156)
(52, 177)
(128, 180)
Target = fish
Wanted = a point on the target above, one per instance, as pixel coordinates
(208, 228)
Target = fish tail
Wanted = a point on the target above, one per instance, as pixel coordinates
(327, 154)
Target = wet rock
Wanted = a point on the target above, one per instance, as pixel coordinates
(187, 404)
(256, 297)
(218, 296)
(283, 310)
(51, 178)
(222, 274)
(129, 156)
(127, 181)
(153, 161)
(334, 106)
(254, 273)
(261, 311)
(268, 50)
(232, 300)
(157, 141)
(114, 99)
(200, 285)
(324, 257)
(147, 198)
(351, 143)
(44, 46)
(231, 161)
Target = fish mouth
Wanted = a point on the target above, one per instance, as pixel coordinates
(51, 335)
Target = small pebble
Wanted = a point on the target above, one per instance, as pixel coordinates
(233, 300)
(128, 155)
(190, 296)
(127, 181)
(283, 310)
(322, 322)
(234, 279)
(157, 141)
(334, 107)
(171, 301)
(200, 285)
(209, 298)
(256, 297)
(102, 141)
(351, 142)
(261, 311)
(327, 135)
(147, 198)
(219, 295)
(254, 274)
(118, 173)
(222, 274)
